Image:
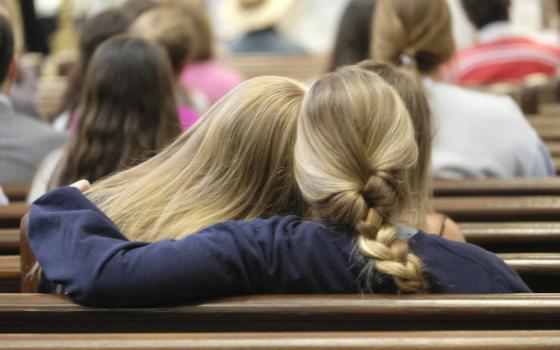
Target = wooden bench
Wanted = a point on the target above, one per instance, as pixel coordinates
(409, 340)
(10, 274)
(9, 241)
(498, 209)
(295, 66)
(16, 191)
(502, 237)
(30, 313)
(11, 214)
(498, 187)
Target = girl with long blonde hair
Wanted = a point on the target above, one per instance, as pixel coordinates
(354, 148)
(234, 164)
(420, 178)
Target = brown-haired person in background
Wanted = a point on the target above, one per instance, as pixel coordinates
(24, 142)
(93, 33)
(501, 54)
(353, 39)
(205, 74)
(477, 135)
(127, 114)
(174, 31)
(420, 184)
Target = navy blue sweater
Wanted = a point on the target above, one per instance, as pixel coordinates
(82, 250)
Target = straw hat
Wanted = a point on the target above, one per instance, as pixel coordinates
(252, 15)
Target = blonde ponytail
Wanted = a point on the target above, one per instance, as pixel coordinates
(414, 34)
(354, 148)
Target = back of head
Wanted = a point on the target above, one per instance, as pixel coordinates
(353, 39)
(354, 147)
(412, 94)
(196, 11)
(93, 33)
(484, 12)
(6, 47)
(127, 110)
(135, 8)
(413, 32)
(235, 163)
(171, 29)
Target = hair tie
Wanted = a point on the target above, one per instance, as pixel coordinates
(408, 57)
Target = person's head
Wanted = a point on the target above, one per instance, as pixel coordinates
(412, 94)
(93, 33)
(135, 8)
(416, 33)
(204, 43)
(355, 145)
(127, 110)
(171, 29)
(235, 163)
(484, 12)
(6, 50)
(353, 39)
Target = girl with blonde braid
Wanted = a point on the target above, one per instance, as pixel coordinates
(354, 149)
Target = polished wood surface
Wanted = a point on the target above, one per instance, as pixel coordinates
(498, 187)
(295, 66)
(9, 241)
(496, 209)
(11, 214)
(16, 191)
(442, 340)
(9, 274)
(31, 313)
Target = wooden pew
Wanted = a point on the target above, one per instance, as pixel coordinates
(16, 191)
(554, 148)
(10, 274)
(410, 340)
(9, 241)
(503, 237)
(11, 214)
(30, 313)
(498, 187)
(541, 271)
(300, 67)
(499, 209)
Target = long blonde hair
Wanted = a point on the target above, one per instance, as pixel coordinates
(412, 94)
(355, 145)
(235, 163)
(414, 32)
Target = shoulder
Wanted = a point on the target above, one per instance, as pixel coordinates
(456, 267)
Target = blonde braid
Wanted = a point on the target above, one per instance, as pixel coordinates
(354, 148)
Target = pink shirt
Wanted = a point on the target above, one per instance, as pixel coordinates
(211, 78)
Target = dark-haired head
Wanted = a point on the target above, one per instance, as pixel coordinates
(484, 12)
(353, 39)
(127, 110)
(6, 48)
(135, 8)
(94, 32)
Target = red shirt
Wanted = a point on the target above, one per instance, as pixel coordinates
(503, 60)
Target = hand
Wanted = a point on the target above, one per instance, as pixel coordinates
(82, 185)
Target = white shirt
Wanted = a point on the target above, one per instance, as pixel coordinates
(480, 135)
(3, 198)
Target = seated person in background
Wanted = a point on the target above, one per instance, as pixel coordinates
(169, 27)
(477, 135)
(411, 92)
(501, 55)
(353, 39)
(354, 147)
(24, 142)
(127, 114)
(257, 20)
(205, 74)
(93, 33)
(3, 198)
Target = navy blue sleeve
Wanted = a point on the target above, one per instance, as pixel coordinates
(80, 248)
